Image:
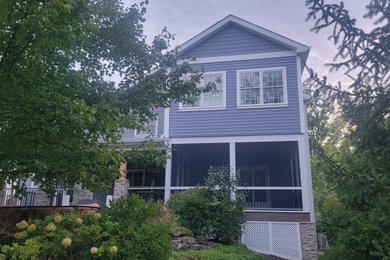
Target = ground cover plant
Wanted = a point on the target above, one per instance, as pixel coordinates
(221, 252)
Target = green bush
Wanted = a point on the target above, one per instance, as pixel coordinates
(142, 228)
(211, 210)
(221, 252)
(194, 210)
(130, 229)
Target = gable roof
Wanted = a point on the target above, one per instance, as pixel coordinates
(301, 49)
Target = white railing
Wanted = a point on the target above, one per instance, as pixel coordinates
(28, 199)
(60, 198)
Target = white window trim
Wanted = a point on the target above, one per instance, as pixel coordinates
(284, 75)
(200, 108)
(137, 135)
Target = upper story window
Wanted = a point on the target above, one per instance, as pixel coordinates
(211, 100)
(150, 129)
(261, 87)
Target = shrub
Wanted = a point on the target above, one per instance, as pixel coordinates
(141, 228)
(194, 210)
(130, 229)
(212, 211)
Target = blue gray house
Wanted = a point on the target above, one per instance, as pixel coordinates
(255, 122)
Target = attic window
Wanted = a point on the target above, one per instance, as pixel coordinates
(261, 87)
(213, 99)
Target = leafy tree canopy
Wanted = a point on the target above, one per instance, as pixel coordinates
(351, 131)
(59, 107)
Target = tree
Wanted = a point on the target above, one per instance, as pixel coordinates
(58, 104)
(360, 222)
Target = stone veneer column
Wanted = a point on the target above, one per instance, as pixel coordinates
(1, 197)
(81, 194)
(309, 241)
(42, 199)
(121, 185)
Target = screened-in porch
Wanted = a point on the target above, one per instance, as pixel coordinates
(148, 182)
(269, 172)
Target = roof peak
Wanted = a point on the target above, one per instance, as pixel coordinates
(300, 48)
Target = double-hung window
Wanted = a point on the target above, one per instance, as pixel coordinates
(261, 87)
(150, 129)
(214, 99)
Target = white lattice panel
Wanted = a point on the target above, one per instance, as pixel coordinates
(275, 238)
(256, 236)
(286, 240)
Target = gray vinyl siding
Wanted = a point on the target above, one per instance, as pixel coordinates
(128, 134)
(233, 121)
(233, 40)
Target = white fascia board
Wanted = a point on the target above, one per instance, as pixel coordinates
(236, 139)
(298, 47)
(252, 56)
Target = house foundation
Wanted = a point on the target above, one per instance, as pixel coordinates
(309, 241)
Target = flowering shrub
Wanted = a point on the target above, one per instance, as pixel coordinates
(130, 229)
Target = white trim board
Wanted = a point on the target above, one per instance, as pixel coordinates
(252, 56)
(238, 139)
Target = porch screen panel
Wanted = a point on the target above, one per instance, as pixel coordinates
(267, 171)
(190, 162)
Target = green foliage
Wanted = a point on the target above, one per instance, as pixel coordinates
(149, 153)
(194, 210)
(140, 228)
(354, 163)
(130, 229)
(222, 252)
(58, 101)
(211, 211)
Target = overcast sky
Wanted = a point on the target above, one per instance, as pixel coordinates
(186, 18)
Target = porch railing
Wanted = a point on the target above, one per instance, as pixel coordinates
(10, 199)
(148, 193)
(60, 198)
(273, 198)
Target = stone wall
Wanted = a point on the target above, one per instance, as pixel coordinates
(42, 199)
(81, 194)
(121, 187)
(309, 241)
(1, 197)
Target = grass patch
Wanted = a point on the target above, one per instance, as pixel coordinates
(221, 252)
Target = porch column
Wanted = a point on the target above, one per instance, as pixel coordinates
(122, 184)
(81, 194)
(304, 172)
(2, 192)
(41, 198)
(168, 172)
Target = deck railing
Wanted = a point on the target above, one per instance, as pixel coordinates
(148, 193)
(10, 199)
